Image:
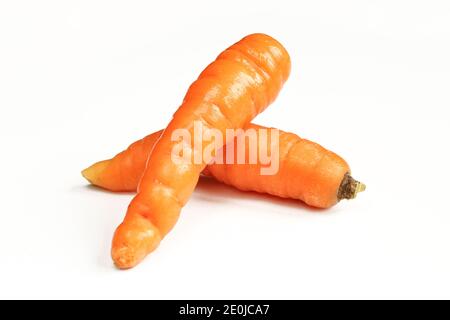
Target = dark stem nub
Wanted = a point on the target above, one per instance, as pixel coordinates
(349, 188)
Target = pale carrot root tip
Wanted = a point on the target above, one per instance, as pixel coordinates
(123, 259)
(350, 187)
(93, 173)
(133, 241)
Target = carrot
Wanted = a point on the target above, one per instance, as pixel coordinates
(308, 172)
(229, 93)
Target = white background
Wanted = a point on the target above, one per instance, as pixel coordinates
(80, 80)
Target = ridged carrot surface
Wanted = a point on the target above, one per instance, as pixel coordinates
(229, 93)
(307, 171)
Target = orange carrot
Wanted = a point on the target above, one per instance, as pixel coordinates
(308, 172)
(229, 93)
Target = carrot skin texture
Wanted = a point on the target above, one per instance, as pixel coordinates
(308, 172)
(224, 96)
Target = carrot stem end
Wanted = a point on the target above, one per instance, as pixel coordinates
(350, 187)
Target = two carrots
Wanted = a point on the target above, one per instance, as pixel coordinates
(229, 93)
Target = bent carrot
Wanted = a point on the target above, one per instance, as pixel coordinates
(229, 93)
(308, 172)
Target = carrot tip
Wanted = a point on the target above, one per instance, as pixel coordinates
(350, 188)
(132, 241)
(93, 173)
